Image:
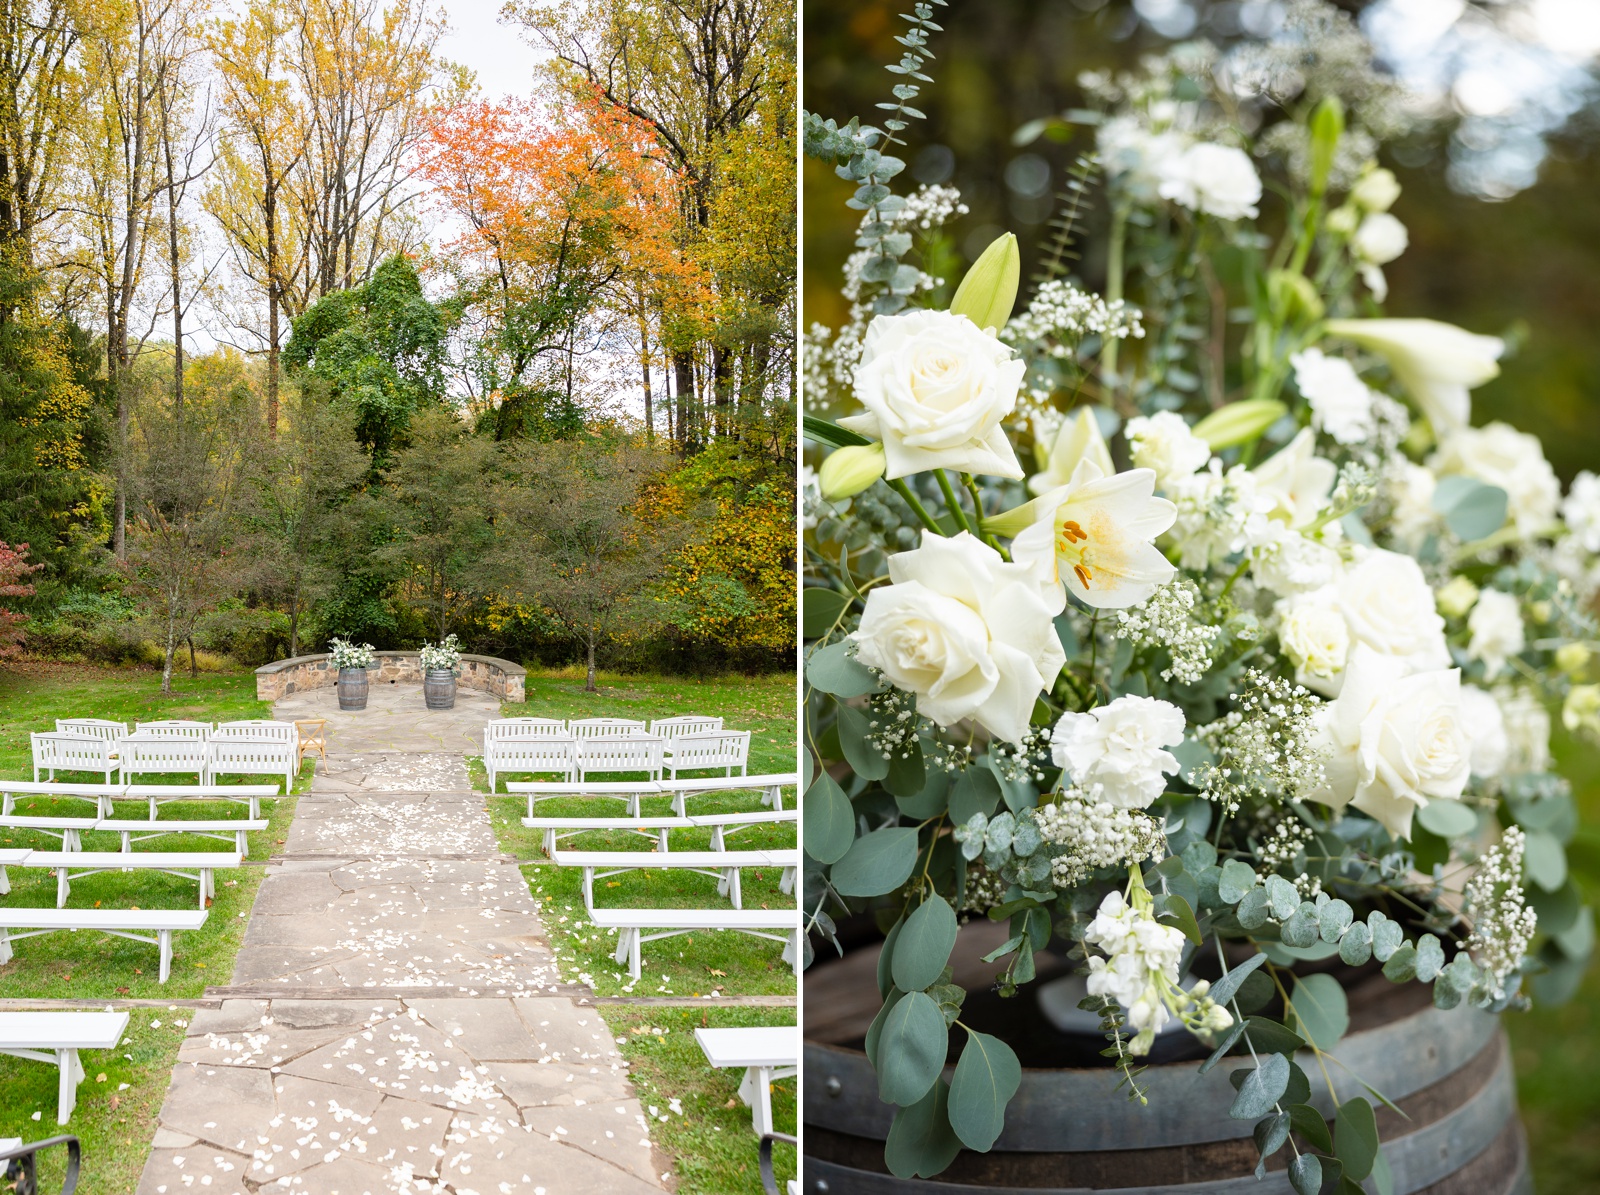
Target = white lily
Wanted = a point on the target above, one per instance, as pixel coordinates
(1078, 439)
(1437, 362)
(1093, 536)
(1297, 480)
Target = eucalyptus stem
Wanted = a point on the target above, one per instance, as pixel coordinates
(915, 504)
(1114, 271)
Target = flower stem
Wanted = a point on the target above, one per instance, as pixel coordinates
(989, 537)
(1114, 270)
(916, 506)
(952, 503)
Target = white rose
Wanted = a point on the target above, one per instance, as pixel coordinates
(1380, 239)
(936, 388)
(1215, 179)
(1395, 742)
(1389, 607)
(1116, 751)
(1376, 190)
(1501, 455)
(1437, 362)
(1527, 730)
(1486, 731)
(965, 631)
(1315, 637)
(1497, 632)
(1581, 510)
(1163, 442)
(1341, 403)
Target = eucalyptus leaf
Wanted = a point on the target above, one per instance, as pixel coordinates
(921, 1142)
(975, 791)
(1472, 509)
(924, 945)
(1401, 966)
(1430, 958)
(1227, 987)
(1255, 909)
(987, 1075)
(1305, 1174)
(1544, 860)
(907, 771)
(885, 978)
(1333, 919)
(1238, 878)
(829, 822)
(911, 1049)
(1355, 1137)
(1355, 947)
(1302, 928)
(1269, 1036)
(1226, 1044)
(1448, 819)
(820, 610)
(1270, 1134)
(865, 758)
(1311, 1125)
(876, 863)
(1322, 1013)
(1261, 1088)
(1283, 895)
(1386, 935)
(834, 669)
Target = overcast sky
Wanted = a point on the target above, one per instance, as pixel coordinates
(499, 53)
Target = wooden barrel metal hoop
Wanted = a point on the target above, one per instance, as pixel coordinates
(439, 688)
(1070, 1130)
(352, 688)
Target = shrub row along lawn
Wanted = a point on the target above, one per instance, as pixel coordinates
(695, 1111)
(117, 1103)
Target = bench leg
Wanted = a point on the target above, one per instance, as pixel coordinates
(786, 884)
(70, 841)
(241, 843)
(127, 842)
(5, 946)
(166, 953)
(756, 1092)
(717, 844)
(63, 887)
(728, 885)
(5, 882)
(206, 888)
(791, 952)
(71, 1075)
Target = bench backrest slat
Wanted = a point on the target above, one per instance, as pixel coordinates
(257, 729)
(726, 748)
(98, 728)
(619, 754)
(588, 728)
(71, 752)
(499, 729)
(671, 728)
(174, 728)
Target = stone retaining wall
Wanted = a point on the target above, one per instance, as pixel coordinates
(504, 679)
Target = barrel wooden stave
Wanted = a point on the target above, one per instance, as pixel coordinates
(439, 689)
(352, 688)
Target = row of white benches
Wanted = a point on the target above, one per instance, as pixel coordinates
(133, 830)
(101, 796)
(586, 728)
(576, 758)
(770, 785)
(159, 754)
(200, 866)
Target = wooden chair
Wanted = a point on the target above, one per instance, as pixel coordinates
(313, 734)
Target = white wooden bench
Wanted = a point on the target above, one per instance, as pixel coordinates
(56, 1038)
(618, 753)
(10, 858)
(589, 728)
(164, 794)
(239, 756)
(770, 785)
(525, 728)
(98, 795)
(626, 791)
(134, 830)
(256, 728)
(722, 866)
(142, 753)
(189, 865)
(121, 923)
(764, 1052)
(64, 828)
(671, 728)
(98, 728)
(725, 749)
(54, 753)
(175, 728)
(535, 755)
(632, 926)
(557, 828)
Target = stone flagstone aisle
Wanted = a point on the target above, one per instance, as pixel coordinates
(395, 1022)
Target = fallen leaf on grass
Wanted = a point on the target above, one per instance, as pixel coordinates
(122, 991)
(732, 1103)
(714, 971)
(100, 1078)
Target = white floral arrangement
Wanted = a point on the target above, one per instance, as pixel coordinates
(445, 654)
(1251, 670)
(345, 654)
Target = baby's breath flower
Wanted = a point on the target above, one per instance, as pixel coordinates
(1097, 835)
(1061, 315)
(1166, 619)
(1267, 746)
(1502, 923)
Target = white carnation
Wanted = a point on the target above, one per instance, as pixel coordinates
(1341, 403)
(936, 388)
(1163, 442)
(1501, 455)
(1137, 157)
(1217, 180)
(1486, 732)
(1497, 631)
(1116, 752)
(970, 634)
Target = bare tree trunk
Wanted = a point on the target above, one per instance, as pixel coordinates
(589, 685)
(644, 365)
(271, 205)
(721, 387)
(194, 670)
(119, 533)
(171, 650)
(683, 366)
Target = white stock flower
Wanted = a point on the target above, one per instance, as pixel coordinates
(1137, 157)
(968, 633)
(1094, 536)
(1143, 961)
(1380, 239)
(1341, 403)
(1581, 510)
(1497, 632)
(1499, 454)
(1117, 753)
(1376, 190)
(1218, 513)
(1217, 180)
(936, 388)
(1486, 732)
(1395, 741)
(1527, 730)
(1077, 439)
(1437, 362)
(1163, 443)
(1411, 489)
(1389, 607)
(1315, 637)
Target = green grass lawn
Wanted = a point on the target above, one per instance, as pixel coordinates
(118, 1102)
(712, 1143)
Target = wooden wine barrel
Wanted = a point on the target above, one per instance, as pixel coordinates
(1071, 1130)
(439, 688)
(352, 688)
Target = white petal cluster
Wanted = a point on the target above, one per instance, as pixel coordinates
(970, 634)
(1097, 834)
(1502, 923)
(1437, 362)
(1486, 732)
(1499, 454)
(1215, 180)
(1497, 631)
(1062, 314)
(1527, 725)
(1581, 510)
(1218, 513)
(1341, 403)
(1142, 962)
(1166, 619)
(1117, 753)
(1164, 444)
(936, 388)
(1315, 637)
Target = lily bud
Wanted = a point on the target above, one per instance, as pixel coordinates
(1572, 658)
(1239, 422)
(1438, 363)
(1294, 296)
(1580, 713)
(1077, 439)
(1376, 190)
(989, 291)
(1327, 126)
(1455, 597)
(848, 471)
